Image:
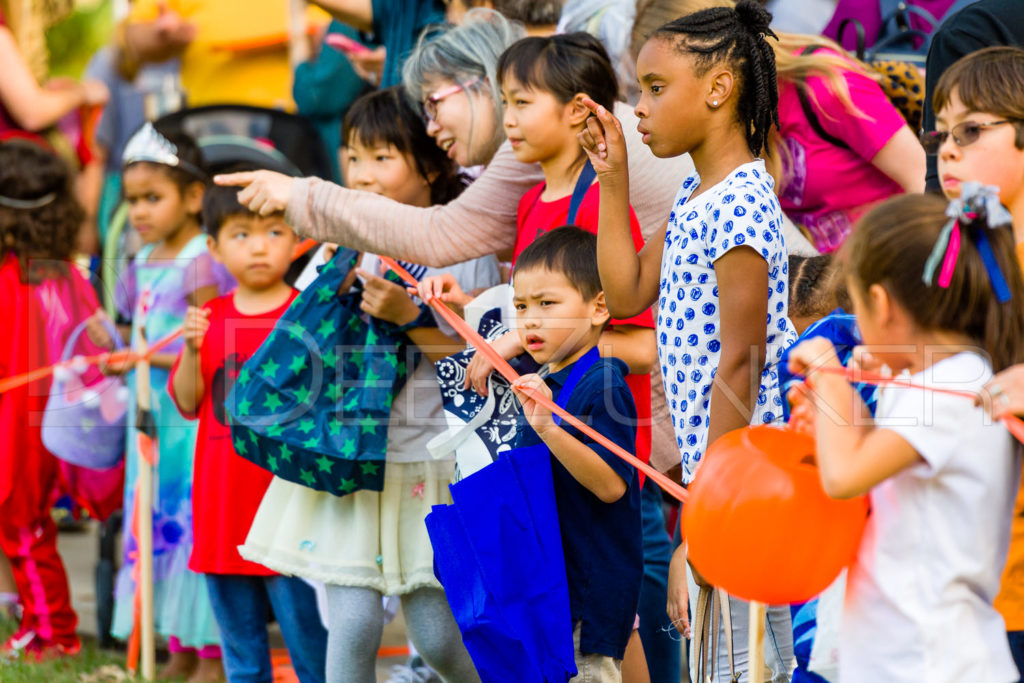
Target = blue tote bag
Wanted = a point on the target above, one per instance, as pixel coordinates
(312, 404)
(498, 554)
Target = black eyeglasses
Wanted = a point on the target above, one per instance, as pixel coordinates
(964, 134)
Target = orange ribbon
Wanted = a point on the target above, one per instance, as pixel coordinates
(502, 366)
(121, 356)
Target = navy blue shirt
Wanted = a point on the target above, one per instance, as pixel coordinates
(397, 25)
(601, 541)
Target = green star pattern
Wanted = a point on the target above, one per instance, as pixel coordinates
(273, 401)
(334, 424)
(367, 425)
(331, 359)
(286, 453)
(348, 485)
(324, 463)
(311, 442)
(391, 359)
(243, 407)
(272, 463)
(307, 477)
(298, 363)
(302, 395)
(370, 468)
(371, 378)
(240, 446)
(327, 328)
(348, 449)
(352, 405)
(275, 430)
(244, 376)
(334, 392)
(269, 369)
(307, 425)
(324, 294)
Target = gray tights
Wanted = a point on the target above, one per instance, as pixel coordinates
(356, 619)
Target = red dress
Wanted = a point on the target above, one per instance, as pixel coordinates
(38, 318)
(226, 488)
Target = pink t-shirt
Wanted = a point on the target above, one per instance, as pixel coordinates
(825, 188)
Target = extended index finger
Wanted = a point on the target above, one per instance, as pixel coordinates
(603, 115)
(240, 179)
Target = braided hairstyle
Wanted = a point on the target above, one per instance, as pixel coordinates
(737, 36)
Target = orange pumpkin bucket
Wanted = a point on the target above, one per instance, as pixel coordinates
(758, 523)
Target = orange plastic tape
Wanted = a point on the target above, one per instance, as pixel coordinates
(16, 381)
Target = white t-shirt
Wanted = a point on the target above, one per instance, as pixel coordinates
(919, 597)
(740, 211)
(417, 414)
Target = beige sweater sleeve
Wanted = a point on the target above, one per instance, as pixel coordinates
(481, 221)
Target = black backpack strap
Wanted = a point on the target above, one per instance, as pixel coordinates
(812, 116)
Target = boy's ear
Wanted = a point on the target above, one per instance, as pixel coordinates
(578, 112)
(214, 249)
(600, 316)
(194, 199)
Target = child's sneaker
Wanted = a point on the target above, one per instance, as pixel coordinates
(27, 644)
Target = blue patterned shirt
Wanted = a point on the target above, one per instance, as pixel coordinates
(742, 210)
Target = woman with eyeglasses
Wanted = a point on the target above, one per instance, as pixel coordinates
(452, 75)
(842, 146)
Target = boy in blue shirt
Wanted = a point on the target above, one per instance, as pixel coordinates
(561, 313)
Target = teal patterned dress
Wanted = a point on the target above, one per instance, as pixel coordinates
(182, 607)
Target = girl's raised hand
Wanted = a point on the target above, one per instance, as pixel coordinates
(263, 192)
(603, 141)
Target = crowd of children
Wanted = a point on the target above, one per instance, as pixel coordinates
(713, 303)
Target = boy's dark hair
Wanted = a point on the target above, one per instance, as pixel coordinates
(221, 202)
(39, 215)
(988, 81)
(531, 12)
(564, 65)
(890, 247)
(570, 251)
(739, 37)
(385, 117)
(188, 151)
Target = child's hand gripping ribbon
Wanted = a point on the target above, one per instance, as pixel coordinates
(502, 366)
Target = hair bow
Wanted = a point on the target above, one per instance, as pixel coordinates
(976, 202)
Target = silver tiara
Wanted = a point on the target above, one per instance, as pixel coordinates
(149, 145)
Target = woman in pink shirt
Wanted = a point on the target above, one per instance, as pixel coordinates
(842, 147)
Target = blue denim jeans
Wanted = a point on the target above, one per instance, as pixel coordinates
(662, 643)
(242, 606)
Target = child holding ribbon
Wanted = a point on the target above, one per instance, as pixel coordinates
(937, 294)
(163, 185)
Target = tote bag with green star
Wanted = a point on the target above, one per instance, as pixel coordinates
(312, 403)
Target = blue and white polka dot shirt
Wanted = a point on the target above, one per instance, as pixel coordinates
(742, 210)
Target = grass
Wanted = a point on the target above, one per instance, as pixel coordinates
(92, 665)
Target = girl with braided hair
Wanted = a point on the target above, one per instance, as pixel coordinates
(718, 267)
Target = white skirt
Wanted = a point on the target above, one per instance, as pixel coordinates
(367, 539)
